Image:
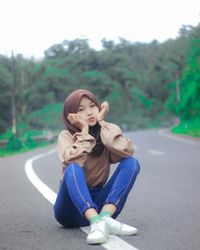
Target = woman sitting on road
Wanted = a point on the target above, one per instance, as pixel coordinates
(87, 147)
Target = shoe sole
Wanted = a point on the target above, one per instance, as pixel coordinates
(125, 234)
(96, 242)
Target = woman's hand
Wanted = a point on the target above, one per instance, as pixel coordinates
(78, 122)
(104, 111)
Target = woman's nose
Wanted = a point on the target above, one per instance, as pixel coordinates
(89, 111)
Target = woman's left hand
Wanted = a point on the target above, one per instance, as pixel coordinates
(104, 111)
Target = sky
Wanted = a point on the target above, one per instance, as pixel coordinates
(30, 27)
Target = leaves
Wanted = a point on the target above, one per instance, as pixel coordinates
(139, 80)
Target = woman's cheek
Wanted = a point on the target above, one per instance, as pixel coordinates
(97, 112)
(84, 118)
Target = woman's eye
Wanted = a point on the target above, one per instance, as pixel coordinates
(79, 110)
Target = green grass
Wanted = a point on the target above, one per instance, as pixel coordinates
(4, 152)
(20, 143)
(190, 128)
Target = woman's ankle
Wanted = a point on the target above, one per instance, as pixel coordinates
(95, 219)
(105, 214)
(108, 210)
(92, 216)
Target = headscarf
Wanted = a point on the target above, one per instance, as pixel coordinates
(71, 105)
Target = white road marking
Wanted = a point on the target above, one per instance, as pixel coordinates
(48, 194)
(155, 152)
(162, 132)
(114, 242)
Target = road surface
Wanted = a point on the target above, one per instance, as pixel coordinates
(164, 204)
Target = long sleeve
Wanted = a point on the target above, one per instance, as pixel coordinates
(74, 148)
(112, 138)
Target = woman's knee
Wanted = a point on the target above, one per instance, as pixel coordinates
(71, 168)
(132, 163)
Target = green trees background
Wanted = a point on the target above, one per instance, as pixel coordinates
(146, 84)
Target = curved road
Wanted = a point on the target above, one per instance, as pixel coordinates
(164, 203)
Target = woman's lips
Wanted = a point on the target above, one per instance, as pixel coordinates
(91, 119)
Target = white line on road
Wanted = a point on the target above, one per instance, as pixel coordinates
(37, 183)
(162, 132)
(114, 242)
(155, 152)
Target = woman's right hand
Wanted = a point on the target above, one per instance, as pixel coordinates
(78, 122)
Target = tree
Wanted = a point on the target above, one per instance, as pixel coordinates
(189, 106)
(5, 93)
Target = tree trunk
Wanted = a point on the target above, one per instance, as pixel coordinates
(178, 96)
(14, 106)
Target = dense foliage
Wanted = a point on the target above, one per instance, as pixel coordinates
(147, 85)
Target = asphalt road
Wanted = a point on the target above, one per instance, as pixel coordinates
(164, 204)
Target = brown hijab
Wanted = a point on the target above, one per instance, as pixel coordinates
(71, 105)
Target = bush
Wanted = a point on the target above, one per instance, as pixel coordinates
(30, 143)
(14, 144)
(190, 127)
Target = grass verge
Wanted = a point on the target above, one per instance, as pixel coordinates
(190, 128)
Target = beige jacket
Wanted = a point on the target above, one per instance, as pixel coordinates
(77, 148)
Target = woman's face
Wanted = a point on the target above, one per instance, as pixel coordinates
(88, 111)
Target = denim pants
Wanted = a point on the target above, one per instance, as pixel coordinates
(75, 196)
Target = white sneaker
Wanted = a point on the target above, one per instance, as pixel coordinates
(118, 228)
(98, 233)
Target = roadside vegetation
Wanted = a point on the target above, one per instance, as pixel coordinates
(148, 85)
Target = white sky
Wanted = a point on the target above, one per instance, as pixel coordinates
(32, 26)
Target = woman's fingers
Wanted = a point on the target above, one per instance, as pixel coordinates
(104, 110)
(77, 121)
(72, 118)
(105, 105)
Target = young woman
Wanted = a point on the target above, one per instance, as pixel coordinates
(87, 147)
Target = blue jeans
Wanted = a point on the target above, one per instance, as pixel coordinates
(75, 196)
